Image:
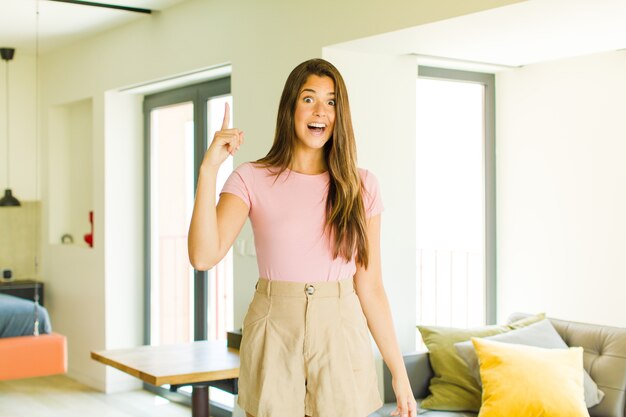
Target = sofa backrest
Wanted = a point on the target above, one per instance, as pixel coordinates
(420, 372)
(604, 360)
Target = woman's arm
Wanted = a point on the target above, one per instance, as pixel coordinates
(213, 229)
(375, 305)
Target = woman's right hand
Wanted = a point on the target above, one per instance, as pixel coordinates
(225, 142)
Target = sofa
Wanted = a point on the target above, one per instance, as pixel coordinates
(604, 359)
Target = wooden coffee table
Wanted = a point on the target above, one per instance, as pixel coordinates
(199, 364)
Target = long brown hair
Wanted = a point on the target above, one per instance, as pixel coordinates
(345, 212)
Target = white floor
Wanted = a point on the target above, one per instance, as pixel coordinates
(60, 396)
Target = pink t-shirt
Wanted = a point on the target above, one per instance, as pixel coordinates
(288, 215)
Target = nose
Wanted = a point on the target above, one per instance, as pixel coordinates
(318, 110)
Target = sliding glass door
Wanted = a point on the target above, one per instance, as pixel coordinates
(181, 304)
(172, 279)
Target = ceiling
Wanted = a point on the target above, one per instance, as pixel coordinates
(510, 36)
(518, 34)
(63, 23)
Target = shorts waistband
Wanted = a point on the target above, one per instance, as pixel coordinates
(318, 289)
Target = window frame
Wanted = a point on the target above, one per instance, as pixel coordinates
(489, 154)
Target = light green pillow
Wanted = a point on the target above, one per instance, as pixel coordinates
(453, 387)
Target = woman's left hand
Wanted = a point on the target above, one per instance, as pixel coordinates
(407, 406)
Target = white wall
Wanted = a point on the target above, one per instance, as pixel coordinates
(69, 180)
(263, 41)
(561, 176)
(123, 157)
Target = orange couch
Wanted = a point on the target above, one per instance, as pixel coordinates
(30, 356)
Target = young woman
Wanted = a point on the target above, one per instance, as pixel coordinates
(305, 348)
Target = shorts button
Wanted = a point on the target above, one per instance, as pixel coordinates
(310, 290)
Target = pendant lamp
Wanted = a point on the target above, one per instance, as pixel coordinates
(8, 200)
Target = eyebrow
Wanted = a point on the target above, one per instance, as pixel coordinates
(332, 93)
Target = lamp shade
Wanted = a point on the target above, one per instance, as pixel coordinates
(8, 200)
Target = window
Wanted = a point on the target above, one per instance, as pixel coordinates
(455, 198)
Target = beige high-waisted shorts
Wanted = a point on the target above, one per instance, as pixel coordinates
(306, 349)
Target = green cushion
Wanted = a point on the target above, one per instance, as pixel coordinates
(453, 387)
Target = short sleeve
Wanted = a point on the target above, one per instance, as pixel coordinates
(240, 183)
(372, 199)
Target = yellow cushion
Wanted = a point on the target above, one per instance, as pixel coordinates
(527, 381)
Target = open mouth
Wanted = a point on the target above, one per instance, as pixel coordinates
(316, 128)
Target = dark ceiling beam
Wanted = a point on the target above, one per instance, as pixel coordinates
(108, 6)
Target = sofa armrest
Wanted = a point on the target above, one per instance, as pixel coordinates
(419, 371)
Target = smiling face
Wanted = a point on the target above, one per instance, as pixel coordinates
(314, 116)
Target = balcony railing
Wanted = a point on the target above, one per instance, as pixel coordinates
(450, 289)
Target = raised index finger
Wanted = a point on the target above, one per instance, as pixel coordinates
(226, 121)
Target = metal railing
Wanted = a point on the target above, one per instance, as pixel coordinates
(450, 289)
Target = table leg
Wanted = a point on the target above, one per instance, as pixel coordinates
(200, 401)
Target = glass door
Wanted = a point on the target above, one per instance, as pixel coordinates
(171, 203)
(182, 305)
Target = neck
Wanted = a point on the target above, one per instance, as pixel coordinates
(309, 162)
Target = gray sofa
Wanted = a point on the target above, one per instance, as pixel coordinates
(604, 359)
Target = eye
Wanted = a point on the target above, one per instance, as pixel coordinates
(331, 102)
(308, 100)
